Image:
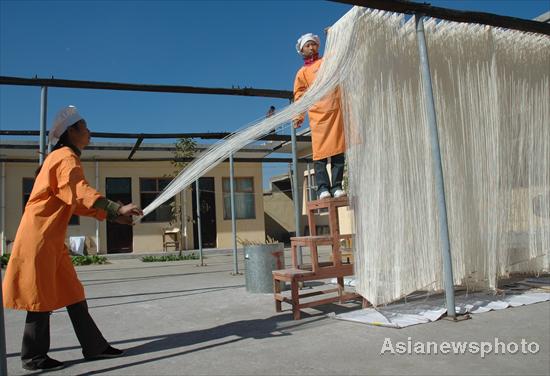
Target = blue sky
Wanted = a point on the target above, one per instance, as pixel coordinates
(198, 43)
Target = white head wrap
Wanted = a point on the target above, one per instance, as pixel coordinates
(306, 38)
(64, 119)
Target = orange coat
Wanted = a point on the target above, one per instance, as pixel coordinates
(40, 275)
(325, 117)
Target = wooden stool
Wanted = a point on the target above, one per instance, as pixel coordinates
(295, 276)
(317, 270)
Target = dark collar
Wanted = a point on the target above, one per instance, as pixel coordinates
(75, 149)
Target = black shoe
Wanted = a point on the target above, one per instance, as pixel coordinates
(46, 364)
(110, 352)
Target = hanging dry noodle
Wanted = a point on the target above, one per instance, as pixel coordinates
(491, 88)
(338, 51)
(492, 99)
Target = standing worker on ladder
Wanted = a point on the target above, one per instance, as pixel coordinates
(325, 121)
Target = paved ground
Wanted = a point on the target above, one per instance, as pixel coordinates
(179, 319)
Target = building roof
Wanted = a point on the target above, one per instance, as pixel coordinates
(112, 150)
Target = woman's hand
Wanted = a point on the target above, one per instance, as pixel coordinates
(129, 210)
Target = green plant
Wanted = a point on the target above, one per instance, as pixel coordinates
(185, 148)
(245, 242)
(77, 260)
(164, 258)
(4, 260)
(88, 260)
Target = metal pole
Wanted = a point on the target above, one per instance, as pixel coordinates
(3, 208)
(96, 221)
(437, 168)
(309, 184)
(295, 190)
(187, 221)
(233, 216)
(43, 114)
(3, 364)
(78, 84)
(183, 218)
(197, 195)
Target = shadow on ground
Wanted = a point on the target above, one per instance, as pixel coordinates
(198, 340)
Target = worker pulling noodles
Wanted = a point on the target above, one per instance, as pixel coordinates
(40, 276)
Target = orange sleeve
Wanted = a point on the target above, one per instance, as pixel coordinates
(72, 188)
(300, 87)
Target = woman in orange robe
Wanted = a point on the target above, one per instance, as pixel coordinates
(325, 121)
(40, 276)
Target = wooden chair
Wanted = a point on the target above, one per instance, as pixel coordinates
(171, 238)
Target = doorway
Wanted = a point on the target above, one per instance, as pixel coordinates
(208, 213)
(119, 237)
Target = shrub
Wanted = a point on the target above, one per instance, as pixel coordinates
(190, 256)
(4, 260)
(77, 260)
(88, 260)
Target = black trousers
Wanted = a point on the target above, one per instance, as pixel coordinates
(321, 175)
(36, 336)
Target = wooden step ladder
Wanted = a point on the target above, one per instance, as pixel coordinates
(317, 270)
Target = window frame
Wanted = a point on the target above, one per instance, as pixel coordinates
(148, 219)
(227, 216)
(26, 196)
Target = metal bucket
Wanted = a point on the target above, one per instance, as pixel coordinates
(260, 260)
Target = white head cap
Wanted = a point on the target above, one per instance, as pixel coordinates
(64, 119)
(304, 39)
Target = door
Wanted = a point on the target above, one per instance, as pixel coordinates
(208, 213)
(119, 237)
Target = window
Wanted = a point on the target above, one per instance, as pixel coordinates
(28, 183)
(244, 198)
(149, 190)
(27, 189)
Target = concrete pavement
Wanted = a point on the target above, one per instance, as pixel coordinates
(177, 318)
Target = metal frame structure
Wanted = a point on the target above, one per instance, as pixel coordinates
(436, 167)
(103, 85)
(400, 6)
(425, 9)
